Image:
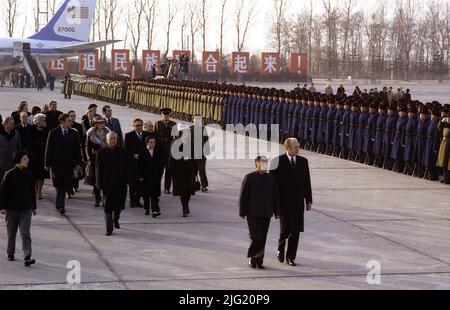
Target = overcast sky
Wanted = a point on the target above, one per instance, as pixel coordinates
(257, 39)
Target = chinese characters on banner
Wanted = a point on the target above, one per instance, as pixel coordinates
(88, 63)
(211, 62)
(57, 66)
(299, 63)
(270, 63)
(240, 63)
(176, 54)
(120, 61)
(150, 59)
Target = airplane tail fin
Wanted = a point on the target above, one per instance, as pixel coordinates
(72, 22)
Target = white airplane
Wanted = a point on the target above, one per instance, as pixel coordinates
(66, 35)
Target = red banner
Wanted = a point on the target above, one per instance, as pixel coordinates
(240, 63)
(57, 66)
(120, 61)
(150, 58)
(211, 62)
(270, 63)
(88, 63)
(299, 63)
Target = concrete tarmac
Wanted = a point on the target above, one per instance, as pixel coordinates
(361, 215)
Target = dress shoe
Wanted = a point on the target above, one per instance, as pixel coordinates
(109, 233)
(28, 262)
(291, 263)
(185, 215)
(252, 263)
(147, 212)
(62, 211)
(261, 266)
(156, 214)
(204, 190)
(116, 225)
(11, 258)
(280, 256)
(167, 191)
(97, 204)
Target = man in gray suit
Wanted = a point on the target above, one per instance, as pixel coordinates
(113, 124)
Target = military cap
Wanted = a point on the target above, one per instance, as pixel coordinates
(166, 111)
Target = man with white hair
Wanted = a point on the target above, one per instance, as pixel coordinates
(112, 177)
(292, 175)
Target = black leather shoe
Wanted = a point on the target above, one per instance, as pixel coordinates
(109, 233)
(147, 212)
(116, 225)
(280, 256)
(167, 191)
(62, 211)
(204, 190)
(252, 263)
(261, 266)
(28, 262)
(291, 263)
(185, 215)
(156, 214)
(11, 258)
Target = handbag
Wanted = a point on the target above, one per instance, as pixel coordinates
(197, 184)
(78, 173)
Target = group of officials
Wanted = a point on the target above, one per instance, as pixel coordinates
(41, 145)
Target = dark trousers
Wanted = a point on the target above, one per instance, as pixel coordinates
(61, 198)
(153, 201)
(19, 220)
(135, 188)
(201, 167)
(292, 243)
(111, 217)
(167, 176)
(258, 229)
(185, 203)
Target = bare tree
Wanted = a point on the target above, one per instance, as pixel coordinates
(245, 13)
(9, 15)
(183, 26)
(203, 20)
(330, 20)
(171, 13)
(222, 25)
(134, 25)
(279, 23)
(194, 24)
(151, 7)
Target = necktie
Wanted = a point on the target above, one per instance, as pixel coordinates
(110, 122)
(293, 162)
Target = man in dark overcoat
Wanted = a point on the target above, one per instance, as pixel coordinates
(112, 176)
(291, 172)
(62, 156)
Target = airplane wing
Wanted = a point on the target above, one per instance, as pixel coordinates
(82, 47)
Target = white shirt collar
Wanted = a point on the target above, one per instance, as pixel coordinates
(292, 157)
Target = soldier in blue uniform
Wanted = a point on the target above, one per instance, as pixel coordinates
(296, 117)
(308, 124)
(251, 108)
(345, 128)
(262, 119)
(337, 128)
(359, 139)
(354, 117)
(421, 141)
(322, 125)
(410, 140)
(432, 147)
(301, 124)
(290, 114)
(329, 127)
(389, 135)
(369, 135)
(398, 147)
(379, 134)
(315, 124)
